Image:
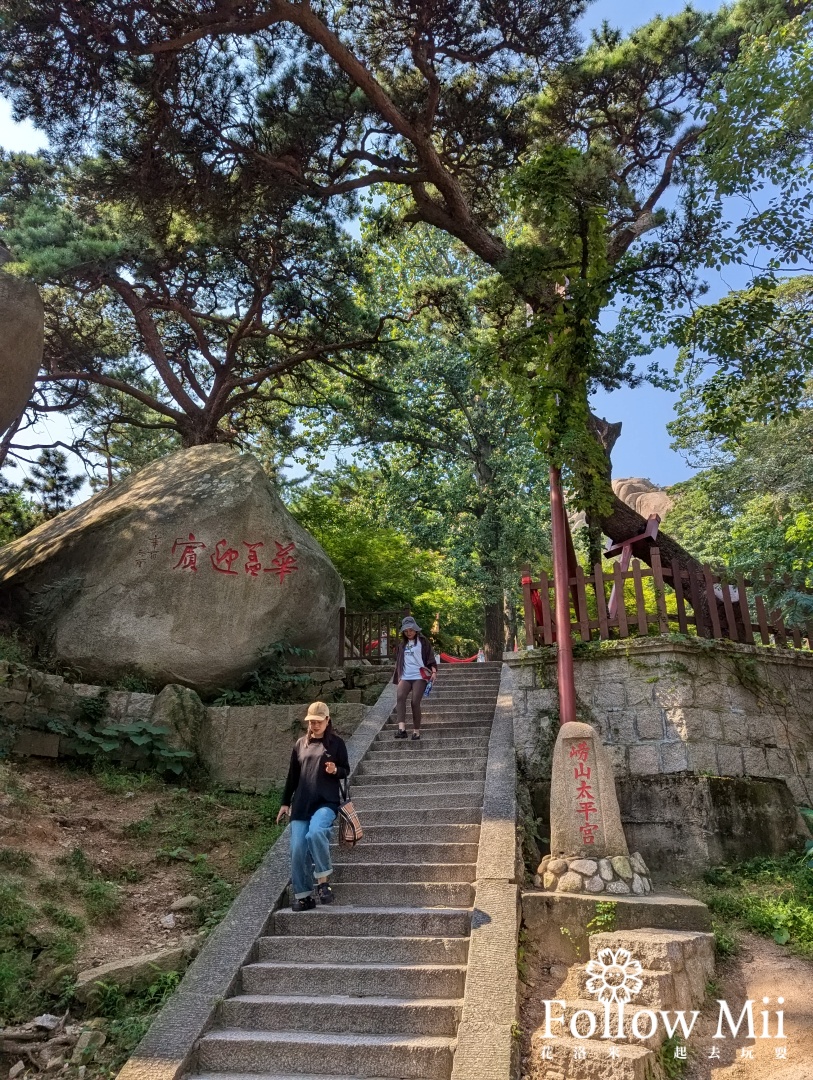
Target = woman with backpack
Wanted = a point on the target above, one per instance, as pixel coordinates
(311, 799)
(415, 666)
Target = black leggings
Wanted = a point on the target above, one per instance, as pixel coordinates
(415, 688)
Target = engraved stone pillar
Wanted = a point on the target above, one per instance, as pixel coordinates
(589, 851)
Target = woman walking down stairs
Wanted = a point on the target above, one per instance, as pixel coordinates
(372, 985)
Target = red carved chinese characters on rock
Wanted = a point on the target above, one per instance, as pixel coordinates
(253, 564)
(224, 557)
(284, 562)
(189, 555)
(585, 798)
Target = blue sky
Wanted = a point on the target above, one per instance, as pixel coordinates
(643, 449)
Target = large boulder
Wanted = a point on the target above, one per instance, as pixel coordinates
(643, 496)
(182, 573)
(22, 320)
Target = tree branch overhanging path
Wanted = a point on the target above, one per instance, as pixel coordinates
(428, 100)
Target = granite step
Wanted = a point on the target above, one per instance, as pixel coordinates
(418, 894)
(395, 776)
(426, 765)
(451, 751)
(376, 950)
(376, 921)
(406, 1056)
(432, 815)
(418, 834)
(342, 1012)
(358, 980)
(414, 852)
(437, 735)
(467, 794)
(400, 793)
(403, 871)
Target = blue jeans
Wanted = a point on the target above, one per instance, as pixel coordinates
(310, 850)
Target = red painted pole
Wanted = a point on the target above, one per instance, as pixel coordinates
(564, 643)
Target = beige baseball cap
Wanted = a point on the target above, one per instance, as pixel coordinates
(318, 708)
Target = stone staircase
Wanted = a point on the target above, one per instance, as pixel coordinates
(373, 985)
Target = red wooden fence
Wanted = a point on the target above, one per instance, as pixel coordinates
(369, 635)
(711, 604)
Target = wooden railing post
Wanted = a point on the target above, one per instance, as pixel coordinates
(530, 619)
(342, 614)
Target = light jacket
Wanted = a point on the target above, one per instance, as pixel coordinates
(427, 657)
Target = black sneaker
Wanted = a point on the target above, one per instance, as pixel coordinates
(401, 734)
(325, 893)
(415, 736)
(307, 903)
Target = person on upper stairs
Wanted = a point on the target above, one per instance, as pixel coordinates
(415, 666)
(311, 799)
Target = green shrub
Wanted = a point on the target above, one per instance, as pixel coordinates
(271, 682)
(13, 650)
(769, 896)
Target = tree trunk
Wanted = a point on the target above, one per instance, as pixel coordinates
(623, 522)
(494, 630)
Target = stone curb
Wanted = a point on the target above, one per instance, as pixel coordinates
(166, 1050)
(486, 1046)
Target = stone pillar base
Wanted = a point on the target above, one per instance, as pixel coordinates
(616, 875)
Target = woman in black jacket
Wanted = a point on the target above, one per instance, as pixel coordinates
(311, 799)
(415, 665)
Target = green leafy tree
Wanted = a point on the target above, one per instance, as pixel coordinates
(753, 506)
(455, 471)
(747, 359)
(382, 566)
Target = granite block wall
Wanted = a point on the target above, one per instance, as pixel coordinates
(244, 748)
(666, 707)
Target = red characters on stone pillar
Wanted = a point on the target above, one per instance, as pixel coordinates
(189, 554)
(585, 798)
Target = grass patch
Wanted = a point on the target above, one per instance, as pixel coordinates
(139, 830)
(17, 996)
(128, 1018)
(77, 862)
(102, 900)
(63, 918)
(14, 859)
(117, 780)
(769, 896)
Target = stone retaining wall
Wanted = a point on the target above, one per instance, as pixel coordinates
(711, 743)
(664, 706)
(244, 748)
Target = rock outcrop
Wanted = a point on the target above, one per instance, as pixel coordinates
(182, 573)
(22, 321)
(643, 496)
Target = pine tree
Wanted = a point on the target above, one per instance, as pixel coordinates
(51, 484)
